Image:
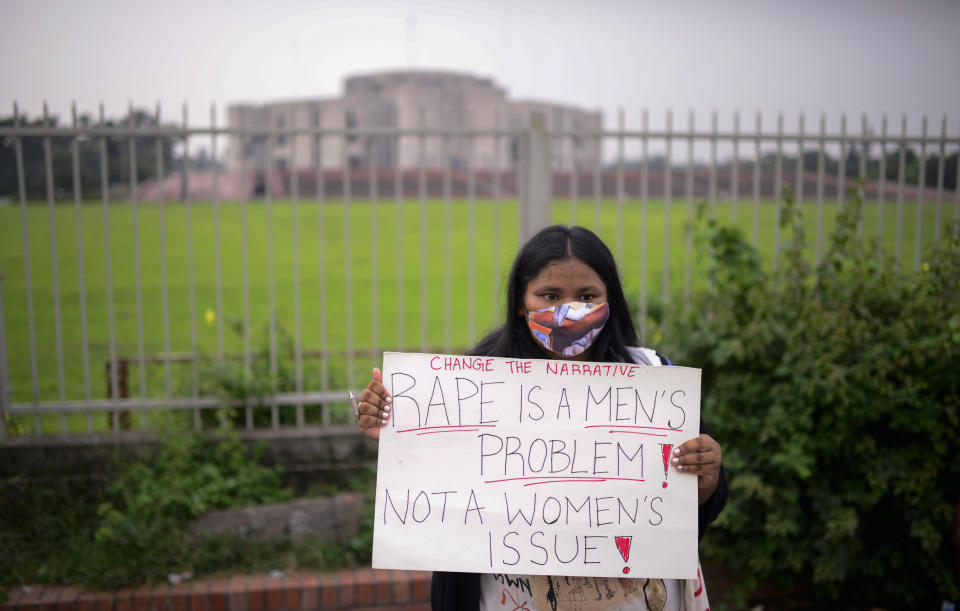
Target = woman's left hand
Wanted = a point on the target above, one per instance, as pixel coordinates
(700, 455)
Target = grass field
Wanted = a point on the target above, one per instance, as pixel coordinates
(398, 318)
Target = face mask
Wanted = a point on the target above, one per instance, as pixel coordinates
(570, 328)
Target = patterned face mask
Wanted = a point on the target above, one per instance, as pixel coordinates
(570, 328)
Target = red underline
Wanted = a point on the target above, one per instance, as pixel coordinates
(560, 481)
(631, 426)
(449, 426)
(555, 479)
(458, 430)
(640, 433)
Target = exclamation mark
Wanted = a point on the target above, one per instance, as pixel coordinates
(666, 448)
(623, 546)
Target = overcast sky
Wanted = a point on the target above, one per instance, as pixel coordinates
(812, 56)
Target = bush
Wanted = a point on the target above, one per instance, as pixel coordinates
(146, 519)
(231, 379)
(834, 393)
(134, 528)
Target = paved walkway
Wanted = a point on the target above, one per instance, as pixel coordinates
(362, 589)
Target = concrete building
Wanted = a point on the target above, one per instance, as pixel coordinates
(436, 100)
(285, 152)
(567, 152)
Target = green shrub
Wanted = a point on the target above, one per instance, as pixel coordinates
(134, 528)
(834, 393)
(231, 379)
(146, 519)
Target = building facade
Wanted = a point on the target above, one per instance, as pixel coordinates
(402, 100)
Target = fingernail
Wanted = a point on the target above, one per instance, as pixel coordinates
(676, 461)
(388, 399)
(677, 451)
(384, 423)
(385, 408)
(679, 467)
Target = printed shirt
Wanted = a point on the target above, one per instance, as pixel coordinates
(546, 593)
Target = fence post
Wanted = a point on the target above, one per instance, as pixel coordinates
(535, 179)
(5, 394)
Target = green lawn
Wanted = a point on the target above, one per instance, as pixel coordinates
(375, 257)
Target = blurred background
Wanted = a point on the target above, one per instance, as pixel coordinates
(215, 217)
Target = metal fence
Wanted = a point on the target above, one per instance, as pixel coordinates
(519, 195)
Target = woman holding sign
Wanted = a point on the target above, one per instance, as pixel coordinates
(565, 301)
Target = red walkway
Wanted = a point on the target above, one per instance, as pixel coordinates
(364, 589)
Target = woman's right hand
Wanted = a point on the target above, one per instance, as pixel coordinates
(374, 407)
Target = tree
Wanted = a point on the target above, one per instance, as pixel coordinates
(88, 157)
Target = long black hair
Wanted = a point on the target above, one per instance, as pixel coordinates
(558, 243)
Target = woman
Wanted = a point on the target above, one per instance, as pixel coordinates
(565, 301)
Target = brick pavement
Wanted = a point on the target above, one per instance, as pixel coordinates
(362, 589)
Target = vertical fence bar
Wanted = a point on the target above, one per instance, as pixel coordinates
(714, 120)
(81, 274)
(322, 265)
(597, 184)
(882, 178)
(398, 222)
(821, 153)
(644, 197)
(245, 272)
(688, 225)
(620, 194)
(495, 297)
(271, 280)
(472, 238)
(217, 247)
(447, 286)
(138, 273)
(921, 189)
(422, 193)
(191, 273)
(297, 320)
(842, 163)
(164, 272)
(778, 190)
(757, 160)
(901, 179)
(374, 254)
(667, 197)
(735, 169)
(108, 256)
(5, 391)
(864, 146)
(526, 160)
(798, 180)
(54, 265)
(348, 253)
(940, 169)
(28, 273)
(956, 201)
(574, 180)
(862, 171)
(217, 244)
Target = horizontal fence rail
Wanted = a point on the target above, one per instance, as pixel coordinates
(83, 133)
(257, 294)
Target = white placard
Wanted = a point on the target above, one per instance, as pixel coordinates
(542, 467)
